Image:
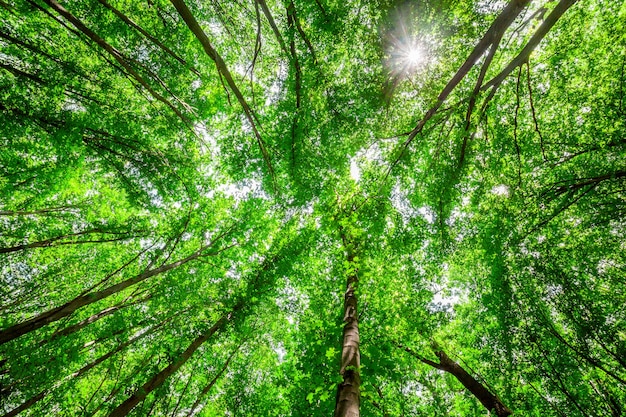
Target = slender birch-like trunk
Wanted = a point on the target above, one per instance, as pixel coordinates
(348, 391)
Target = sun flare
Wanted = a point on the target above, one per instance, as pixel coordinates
(406, 56)
(414, 56)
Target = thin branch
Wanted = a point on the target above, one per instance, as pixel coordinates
(419, 357)
(270, 19)
(70, 208)
(495, 31)
(298, 84)
(292, 10)
(211, 383)
(472, 100)
(117, 55)
(195, 28)
(547, 400)
(257, 47)
(515, 127)
(55, 241)
(532, 108)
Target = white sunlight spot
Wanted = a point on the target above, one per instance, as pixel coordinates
(355, 172)
(414, 55)
(489, 6)
(501, 189)
(442, 302)
(276, 88)
(427, 213)
(406, 56)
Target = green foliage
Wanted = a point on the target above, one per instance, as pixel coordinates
(490, 225)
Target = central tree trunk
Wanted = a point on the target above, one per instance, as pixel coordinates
(348, 391)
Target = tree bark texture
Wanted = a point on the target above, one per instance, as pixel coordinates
(348, 391)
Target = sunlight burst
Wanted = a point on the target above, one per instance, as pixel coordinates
(414, 56)
(406, 56)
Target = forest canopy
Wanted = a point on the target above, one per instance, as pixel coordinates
(312, 208)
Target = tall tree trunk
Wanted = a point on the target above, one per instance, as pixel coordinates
(348, 398)
(157, 380)
(195, 28)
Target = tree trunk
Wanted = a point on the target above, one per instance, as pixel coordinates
(119, 57)
(490, 401)
(208, 387)
(195, 28)
(42, 394)
(348, 398)
(91, 319)
(51, 241)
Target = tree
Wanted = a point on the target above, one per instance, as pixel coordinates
(274, 208)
